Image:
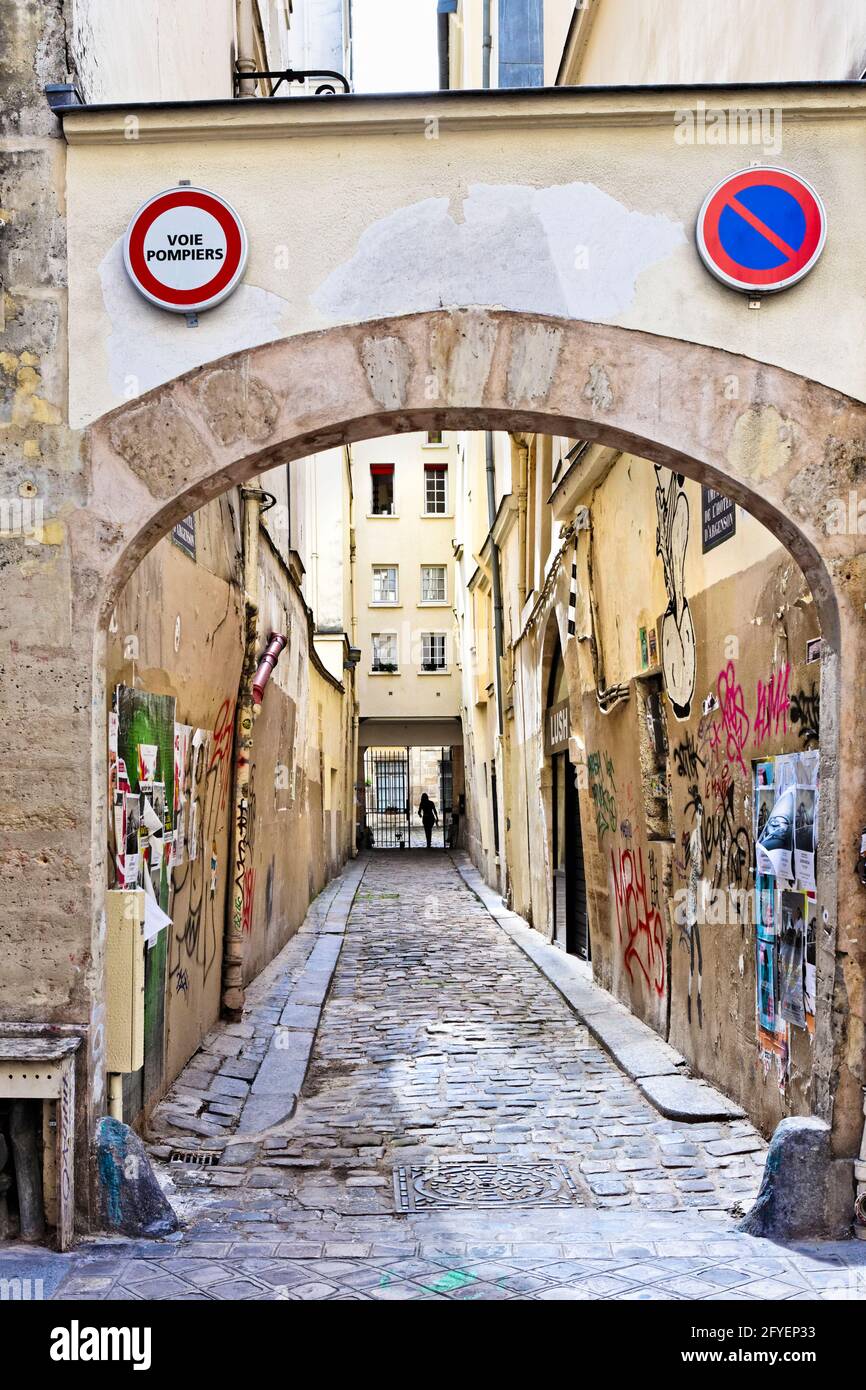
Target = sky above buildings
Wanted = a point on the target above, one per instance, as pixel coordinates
(394, 45)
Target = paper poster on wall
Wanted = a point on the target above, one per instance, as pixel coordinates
(792, 939)
(764, 797)
(774, 848)
(182, 741)
(132, 856)
(766, 983)
(810, 963)
(765, 954)
(146, 745)
(805, 826)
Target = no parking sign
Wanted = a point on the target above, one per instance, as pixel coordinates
(761, 230)
(185, 249)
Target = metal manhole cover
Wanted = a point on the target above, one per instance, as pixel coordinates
(542, 1184)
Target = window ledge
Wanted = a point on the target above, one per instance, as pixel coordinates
(371, 672)
(383, 516)
(436, 516)
(384, 603)
(433, 603)
(445, 671)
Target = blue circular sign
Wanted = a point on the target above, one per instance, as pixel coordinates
(761, 229)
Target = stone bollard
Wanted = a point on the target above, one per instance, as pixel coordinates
(131, 1200)
(805, 1193)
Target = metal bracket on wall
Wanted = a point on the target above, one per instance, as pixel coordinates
(290, 75)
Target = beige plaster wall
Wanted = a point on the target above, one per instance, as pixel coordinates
(693, 41)
(153, 50)
(488, 211)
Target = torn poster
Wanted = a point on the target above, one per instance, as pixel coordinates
(182, 748)
(131, 858)
(774, 848)
(792, 936)
(805, 827)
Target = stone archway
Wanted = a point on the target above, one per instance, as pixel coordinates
(780, 445)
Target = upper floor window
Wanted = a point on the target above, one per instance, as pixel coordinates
(382, 489)
(384, 583)
(433, 651)
(384, 651)
(435, 437)
(435, 489)
(433, 588)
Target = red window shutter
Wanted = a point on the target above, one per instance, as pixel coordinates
(435, 467)
(382, 468)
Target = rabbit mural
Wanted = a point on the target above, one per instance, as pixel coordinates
(678, 630)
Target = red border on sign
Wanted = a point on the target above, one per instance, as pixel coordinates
(184, 197)
(776, 178)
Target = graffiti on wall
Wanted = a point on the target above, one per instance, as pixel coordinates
(205, 777)
(679, 648)
(638, 921)
(804, 713)
(734, 724)
(245, 874)
(686, 757)
(602, 790)
(773, 704)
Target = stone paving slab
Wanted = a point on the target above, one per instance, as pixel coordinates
(660, 1072)
(246, 1077)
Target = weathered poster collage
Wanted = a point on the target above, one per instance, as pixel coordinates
(154, 765)
(786, 828)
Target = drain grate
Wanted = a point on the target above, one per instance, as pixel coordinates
(195, 1158)
(542, 1184)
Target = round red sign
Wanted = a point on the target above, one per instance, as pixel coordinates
(761, 229)
(185, 249)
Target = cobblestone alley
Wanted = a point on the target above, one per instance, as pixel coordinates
(458, 1134)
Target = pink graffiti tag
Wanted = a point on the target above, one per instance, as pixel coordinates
(639, 923)
(735, 723)
(773, 705)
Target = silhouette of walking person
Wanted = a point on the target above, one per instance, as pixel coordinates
(429, 818)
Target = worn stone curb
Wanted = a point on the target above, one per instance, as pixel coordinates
(657, 1069)
(274, 1093)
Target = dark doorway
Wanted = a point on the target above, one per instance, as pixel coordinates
(568, 888)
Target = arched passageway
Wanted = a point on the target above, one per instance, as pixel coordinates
(779, 445)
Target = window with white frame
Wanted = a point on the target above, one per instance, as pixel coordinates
(384, 583)
(433, 588)
(435, 489)
(433, 651)
(382, 489)
(384, 651)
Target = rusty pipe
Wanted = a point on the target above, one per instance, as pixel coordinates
(270, 657)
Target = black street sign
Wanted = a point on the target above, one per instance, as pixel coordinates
(718, 518)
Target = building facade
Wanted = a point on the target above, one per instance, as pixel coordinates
(406, 490)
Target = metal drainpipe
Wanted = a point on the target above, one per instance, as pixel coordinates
(522, 476)
(486, 45)
(246, 59)
(233, 945)
(444, 58)
(494, 566)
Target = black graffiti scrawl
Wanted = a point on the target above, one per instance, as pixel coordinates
(678, 630)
